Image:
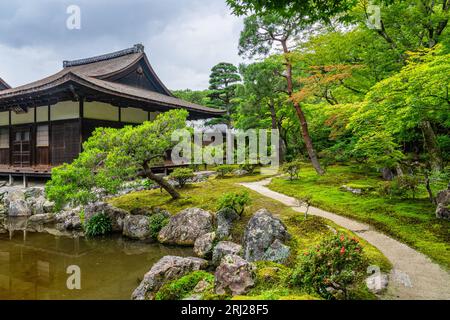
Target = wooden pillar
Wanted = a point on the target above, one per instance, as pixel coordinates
(81, 122)
(10, 137)
(49, 116)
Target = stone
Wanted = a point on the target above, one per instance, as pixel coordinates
(234, 276)
(137, 227)
(34, 192)
(69, 219)
(240, 172)
(225, 219)
(204, 244)
(224, 248)
(166, 269)
(185, 227)
(355, 191)
(277, 252)
(261, 231)
(116, 215)
(38, 222)
(377, 282)
(443, 204)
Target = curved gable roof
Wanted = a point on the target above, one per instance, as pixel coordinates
(110, 72)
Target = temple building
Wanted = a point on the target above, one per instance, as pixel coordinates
(43, 124)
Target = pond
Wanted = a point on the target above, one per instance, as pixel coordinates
(34, 265)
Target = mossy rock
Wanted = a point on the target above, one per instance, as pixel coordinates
(184, 286)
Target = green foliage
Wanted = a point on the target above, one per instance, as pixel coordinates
(148, 184)
(112, 156)
(98, 225)
(337, 263)
(235, 201)
(224, 169)
(82, 216)
(182, 176)
(400, 186)
(156, 222)
(182, 287)
(222, 85)
(292, 168)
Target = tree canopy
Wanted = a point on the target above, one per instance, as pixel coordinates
(113, 156)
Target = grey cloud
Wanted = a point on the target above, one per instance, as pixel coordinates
(184, 38)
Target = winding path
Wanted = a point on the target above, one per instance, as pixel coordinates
(414, 275)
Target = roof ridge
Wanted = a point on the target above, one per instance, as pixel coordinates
(137, 48)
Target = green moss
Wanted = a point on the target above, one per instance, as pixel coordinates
(411, 221)
(180, 288)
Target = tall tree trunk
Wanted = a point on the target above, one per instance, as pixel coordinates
(161, 182)
(431, 146)
(301, 116)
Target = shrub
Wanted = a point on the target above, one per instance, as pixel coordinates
(224, 169)
(331, 267)
(182, 176)
(100, 224)
(156, 223)
(148, 184)
(180, 288)
(292, 168)
(400, 186)
(250, 168)
(234, 201)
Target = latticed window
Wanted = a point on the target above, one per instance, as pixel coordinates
(42, 136)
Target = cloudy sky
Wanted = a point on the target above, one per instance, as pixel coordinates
(183, 38)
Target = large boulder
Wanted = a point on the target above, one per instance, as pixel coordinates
(38, 222)
(443, 204)
(377, 283)
(167, 269)
(69, 219)
(137, 227)
(116, 215)
(261, 232)
(185, 227)
(234, 276)
(204, 244)
(224, 248)
(14, 201)
(225, 219)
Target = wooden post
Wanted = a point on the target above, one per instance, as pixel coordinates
(11, 180)
(25, 181)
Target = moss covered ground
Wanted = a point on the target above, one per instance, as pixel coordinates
(411, 221)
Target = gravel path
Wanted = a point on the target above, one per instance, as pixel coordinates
(414, 276)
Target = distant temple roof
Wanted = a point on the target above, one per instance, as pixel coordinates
(4, 85)
(123, 78)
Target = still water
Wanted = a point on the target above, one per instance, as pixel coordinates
(34, 266)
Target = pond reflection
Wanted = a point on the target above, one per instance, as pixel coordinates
(33, 265)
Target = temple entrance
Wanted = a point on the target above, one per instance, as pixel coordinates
(21, 147)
